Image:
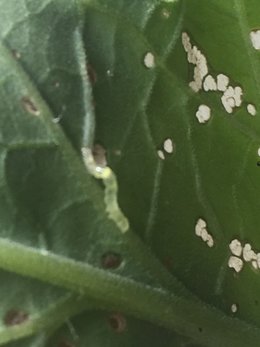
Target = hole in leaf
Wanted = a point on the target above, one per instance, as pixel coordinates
(91, 74)
(29, 106)
(111, 260)
(15, 317)
(99, 154)
(258, 163)
(200, 329)
(117, 322)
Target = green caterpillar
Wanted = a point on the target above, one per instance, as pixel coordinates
(109, 179)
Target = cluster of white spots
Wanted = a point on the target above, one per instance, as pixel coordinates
(201, 231)
(255, 38)
(196, 58)
(242, 254)
(203, 113)
(231, 98)
(234, 308)
(149, 60)
(251, 109)
(168, 147)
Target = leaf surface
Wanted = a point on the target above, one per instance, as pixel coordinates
(213, 172)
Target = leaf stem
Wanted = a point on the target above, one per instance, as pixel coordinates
(47, 320)
(201, 323)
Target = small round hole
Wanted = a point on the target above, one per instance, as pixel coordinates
(111, 260)
(117, 322)
(258, 163)
(15, 317)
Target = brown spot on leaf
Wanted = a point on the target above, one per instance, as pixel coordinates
(99, 154)
(30, 106)
(111, 260)
(117, 322)
(16, 54)
(15, 317)
(91, 74)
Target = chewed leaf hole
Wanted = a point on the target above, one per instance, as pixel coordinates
(111, 260)
(117, 322)
(99, 154)
(30, 106)
(15, 317)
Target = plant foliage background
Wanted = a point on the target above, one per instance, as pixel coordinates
(74, 74)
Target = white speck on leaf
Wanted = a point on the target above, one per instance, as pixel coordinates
(200, 225)
(236, 247)
(168, 146)
(234, 308)
(254, 264)
(235, 263)
(201, 231)
(161, 154)
(222, 82)
(149, 60)
(255, 38)
(209, 84)
(251, 109)
(248, 253)
(258, 259)
(203, 114)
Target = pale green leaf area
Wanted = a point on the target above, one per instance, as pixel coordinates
(115, 73)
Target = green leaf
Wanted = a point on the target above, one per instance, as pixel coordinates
(48, 200)
(54, 225)
(213, 172)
